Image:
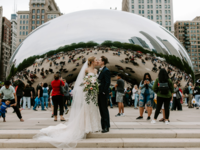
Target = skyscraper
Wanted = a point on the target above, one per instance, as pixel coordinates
(160, 11)
(40, 11)
(188, 33)
(14, 32)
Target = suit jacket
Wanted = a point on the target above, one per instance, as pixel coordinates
(104, 80)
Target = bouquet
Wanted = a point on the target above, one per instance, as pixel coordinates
(91, 87)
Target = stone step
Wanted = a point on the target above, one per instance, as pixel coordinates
(108, 143)
(28, 134)
(101, 149)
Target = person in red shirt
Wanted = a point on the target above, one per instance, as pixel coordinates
(57, 97)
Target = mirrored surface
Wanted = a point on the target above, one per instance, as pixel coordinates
(93, 27)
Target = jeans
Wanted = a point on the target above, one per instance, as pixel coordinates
(186, 100)
(28, 100)
(136, 100)
(42, 104)
(46, 100)
(127, 101)
(146, 100)
(110, 101)
(197, 97)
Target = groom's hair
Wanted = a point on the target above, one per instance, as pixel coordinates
(104, 59)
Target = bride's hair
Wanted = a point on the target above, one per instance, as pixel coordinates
(90, 60)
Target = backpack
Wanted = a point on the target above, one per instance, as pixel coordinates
(163, 87)
(45, 92)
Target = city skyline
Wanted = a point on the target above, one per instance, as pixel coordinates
(180, 13)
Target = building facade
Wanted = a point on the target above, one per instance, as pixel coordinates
(40, 11)
(14, 32)
(160, 11)
(6, 43)
(1, 21)
(188, 33)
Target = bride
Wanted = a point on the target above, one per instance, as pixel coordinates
(84, 118)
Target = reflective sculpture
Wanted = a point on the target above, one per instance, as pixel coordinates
(98, 26)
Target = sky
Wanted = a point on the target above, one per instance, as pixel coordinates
(183, 9)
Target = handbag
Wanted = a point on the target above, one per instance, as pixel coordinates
(62, 89)
(193, 101)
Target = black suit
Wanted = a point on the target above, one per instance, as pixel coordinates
(104, 79)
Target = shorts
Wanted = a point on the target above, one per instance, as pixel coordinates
(146, 100)
(119, 97)
(2, 114)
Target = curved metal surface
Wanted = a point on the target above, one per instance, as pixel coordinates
(99, 26)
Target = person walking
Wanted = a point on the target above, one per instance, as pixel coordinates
(57, 97)
(28, 94)
(45, 96)
(120, 94)
(164, 94)
(19, 92)
(135, 96)
(9, 94)
(176, 98)
(146, 96)
(40, 96)
(191, 88)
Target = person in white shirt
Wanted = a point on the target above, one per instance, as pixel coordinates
(135, 96)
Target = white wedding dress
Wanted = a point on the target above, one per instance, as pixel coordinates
(84, 118)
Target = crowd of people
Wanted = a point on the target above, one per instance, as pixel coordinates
(144, 95)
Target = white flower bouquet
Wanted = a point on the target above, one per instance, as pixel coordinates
(91, 87)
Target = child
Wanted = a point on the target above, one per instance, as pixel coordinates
(3, 108)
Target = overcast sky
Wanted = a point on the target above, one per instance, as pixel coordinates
(183, 9)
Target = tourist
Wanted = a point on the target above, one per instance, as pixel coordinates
(114, 96)
(135, 96)
(164, 95)
(120, 94)
(127, 96)
(190, 88)
(66, 96)
(57, 97)
(176, 98)
(28, 94)
(197, 94)
(3, 108)
(52, 107)
(9, 94)
(40, 96)
(45, 94)
(146, 96)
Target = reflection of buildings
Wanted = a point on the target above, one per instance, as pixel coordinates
(155, 10)
(187, 32)
(139, 41)
(169, 47)
(155, 44)
(40, 11)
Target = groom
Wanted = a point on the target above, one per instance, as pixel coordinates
(104, 79)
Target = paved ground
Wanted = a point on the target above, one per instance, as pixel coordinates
(186, 119)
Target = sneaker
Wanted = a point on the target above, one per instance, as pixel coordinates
(148, 118)
(197, 108)
(35, 109)
(118, 115)
(153, 122)
(43, 109)
(139, 117)
(146, 111)
(66, 111)
(122, 114)
(135, 108)
(52, 116)
(167, 122)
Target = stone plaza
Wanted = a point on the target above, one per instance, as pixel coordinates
(183, 132)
